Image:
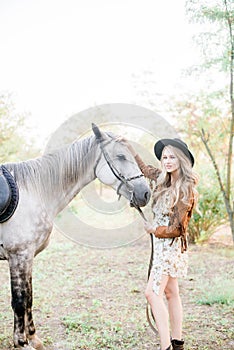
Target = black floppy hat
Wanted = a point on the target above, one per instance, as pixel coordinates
(159, 146)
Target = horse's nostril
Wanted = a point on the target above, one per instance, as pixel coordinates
(147, 195)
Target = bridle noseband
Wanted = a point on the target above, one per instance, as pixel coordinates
(123, 180)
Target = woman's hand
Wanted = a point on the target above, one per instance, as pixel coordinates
(148, 227)
(126, 142)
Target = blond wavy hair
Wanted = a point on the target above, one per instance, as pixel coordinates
(184, 187)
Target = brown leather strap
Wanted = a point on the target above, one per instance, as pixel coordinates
(149, 270)
(148, 305)
(148, 313)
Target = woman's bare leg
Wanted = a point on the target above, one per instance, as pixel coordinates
(174, 307)
(159, 310)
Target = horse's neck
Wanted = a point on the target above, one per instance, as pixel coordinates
(78, 172)
(55, 178)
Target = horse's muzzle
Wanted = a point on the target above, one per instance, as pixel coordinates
(140, 199)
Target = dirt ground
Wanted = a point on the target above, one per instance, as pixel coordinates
(94, 298)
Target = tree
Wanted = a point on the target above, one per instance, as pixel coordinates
(197, 112)
(217, 46)
(15, 143)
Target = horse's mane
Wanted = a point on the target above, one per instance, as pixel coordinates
(56, 169)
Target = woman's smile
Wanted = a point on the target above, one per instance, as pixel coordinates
(170, 161)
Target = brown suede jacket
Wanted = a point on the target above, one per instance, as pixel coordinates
(178, 219)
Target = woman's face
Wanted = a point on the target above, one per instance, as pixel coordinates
(170, 160)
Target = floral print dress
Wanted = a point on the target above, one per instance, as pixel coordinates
(168, 258)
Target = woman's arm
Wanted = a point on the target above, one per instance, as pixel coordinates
(149, 171)
(178, 224)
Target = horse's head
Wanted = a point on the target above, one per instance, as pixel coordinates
(117, 168)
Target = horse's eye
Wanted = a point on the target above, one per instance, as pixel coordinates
(121, 157)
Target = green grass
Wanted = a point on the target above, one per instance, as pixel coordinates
(219, 291)
(98, 332)
(94, 299)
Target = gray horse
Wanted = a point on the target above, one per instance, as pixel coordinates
(45, 186)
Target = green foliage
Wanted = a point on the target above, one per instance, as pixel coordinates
(15, 143)
(194, 113)
(210, 110)
(213, 36)
(211, 211)
(207, 10)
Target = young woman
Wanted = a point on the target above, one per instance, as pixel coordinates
(174, 197)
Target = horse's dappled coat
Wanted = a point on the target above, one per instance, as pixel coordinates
(46, 185)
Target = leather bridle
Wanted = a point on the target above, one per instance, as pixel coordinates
(123, 180)
(126, 181)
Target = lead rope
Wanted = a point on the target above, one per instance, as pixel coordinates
(148, 308)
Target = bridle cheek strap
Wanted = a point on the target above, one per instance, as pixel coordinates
(123, 180)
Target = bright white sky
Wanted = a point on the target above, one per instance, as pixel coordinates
(59, 57)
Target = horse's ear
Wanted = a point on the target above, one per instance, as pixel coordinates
(99, 135)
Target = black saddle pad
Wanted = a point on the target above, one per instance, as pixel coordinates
(5, 193)
(10, 195)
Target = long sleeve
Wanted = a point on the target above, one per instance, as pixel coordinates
(178, 224)
(148, 171)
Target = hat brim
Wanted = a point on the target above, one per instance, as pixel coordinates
(159, 146)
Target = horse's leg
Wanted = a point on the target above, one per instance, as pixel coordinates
(34, 341)
(21, 289)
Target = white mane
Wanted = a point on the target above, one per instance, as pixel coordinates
(56, 169)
